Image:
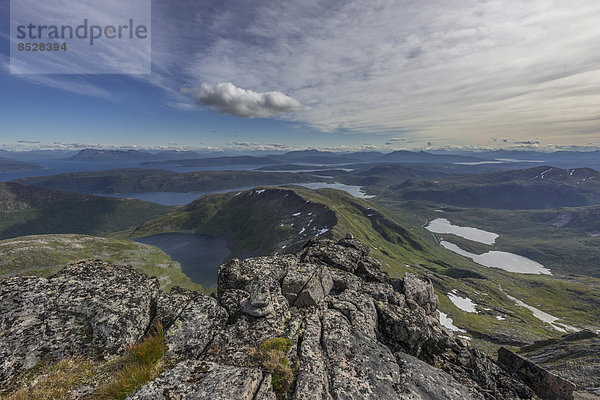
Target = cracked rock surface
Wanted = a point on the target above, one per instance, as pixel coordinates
(355, 333)
(88, 308)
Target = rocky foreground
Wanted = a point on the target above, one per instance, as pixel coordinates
(351, 331)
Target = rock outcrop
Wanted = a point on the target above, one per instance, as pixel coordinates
(354, 333)
(575, 357)
(89, 308)
(546, 384)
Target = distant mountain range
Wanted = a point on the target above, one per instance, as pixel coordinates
(317, 157)
(563, 159)
(130, 155)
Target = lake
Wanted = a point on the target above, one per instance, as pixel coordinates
(500, 259)
(355, 191)
(442, 225)
(200, 256)
(543, 316)
(181, 198)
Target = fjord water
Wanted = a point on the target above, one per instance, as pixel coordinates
(182, 198)
(200, 256)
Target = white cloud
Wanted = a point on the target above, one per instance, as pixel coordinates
(228, 99)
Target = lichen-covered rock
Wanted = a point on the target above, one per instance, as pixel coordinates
(258, 303)
(350, 331)
(237, 274)
(89, 308)
(420, 380)
(359, 367)
(344, 255)
(418, 290)
(305, 285)
(193, 379)
(170, 305)
(575, 357)
(312, 381)
(194, 328)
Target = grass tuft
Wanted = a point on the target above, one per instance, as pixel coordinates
(139, 366)
(54, 381)
(271, 355)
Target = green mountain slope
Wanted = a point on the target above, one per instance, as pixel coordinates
(28, 210)
(270, 220)
(42, 255)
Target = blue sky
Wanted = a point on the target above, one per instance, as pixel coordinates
(330, 74)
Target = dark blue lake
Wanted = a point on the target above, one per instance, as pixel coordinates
(200, 256)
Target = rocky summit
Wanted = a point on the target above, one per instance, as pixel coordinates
(326, 323)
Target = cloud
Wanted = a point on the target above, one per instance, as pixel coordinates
(228, 99)
(397, 139)
(529, 142)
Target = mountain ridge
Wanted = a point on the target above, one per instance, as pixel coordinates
(338, 317)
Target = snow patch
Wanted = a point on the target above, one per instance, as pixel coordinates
(447, 322)
(464, 303)
(544, 316)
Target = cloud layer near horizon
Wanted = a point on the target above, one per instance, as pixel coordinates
(228, 99)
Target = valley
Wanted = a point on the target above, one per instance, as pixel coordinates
(512, 254)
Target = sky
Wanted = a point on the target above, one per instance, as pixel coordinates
(330, 74)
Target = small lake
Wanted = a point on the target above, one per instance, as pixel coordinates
(500, 259)
(200, 256)
(442, 225)
(355, 191)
